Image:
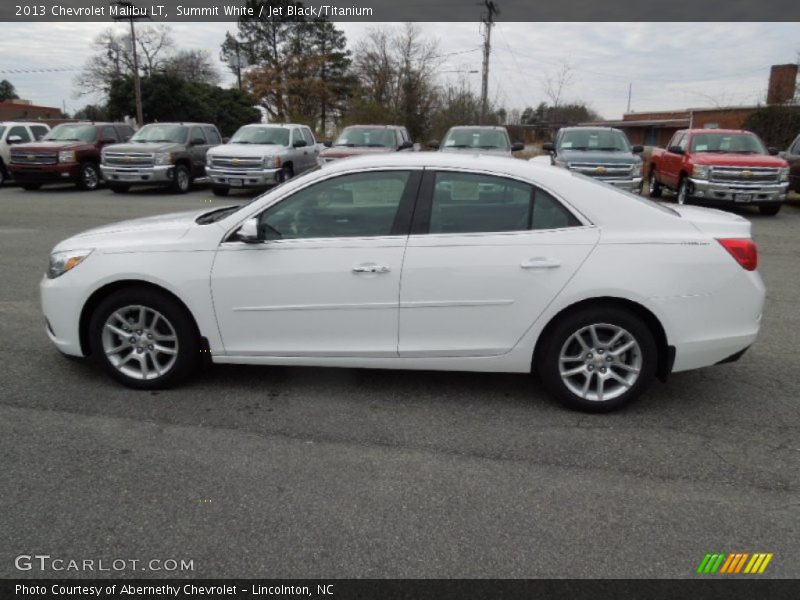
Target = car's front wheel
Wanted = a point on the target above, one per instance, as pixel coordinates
(89, 178)
(770, 210)
(220, 190)
(683, 191)
(144, 339)
(182, 180)
(653, 187)
(598, 359)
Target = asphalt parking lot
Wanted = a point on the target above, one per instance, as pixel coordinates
(301, 472)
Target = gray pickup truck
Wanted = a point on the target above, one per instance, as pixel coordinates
(261, 155)
(481, 139)
(602, 153)
(171, 155)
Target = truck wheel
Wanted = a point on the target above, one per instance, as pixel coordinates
(288, 172)
(118, 189)
(770, 210)
(220, 190)
(683, 191)
(654, 187)
(31, 186)
(89, 178)
(181, 180)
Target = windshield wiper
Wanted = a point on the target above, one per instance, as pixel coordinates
(217, 215)
(575, 148)
(459, 146)
(488, 147)
(346, 145)
(615, 149)
(375, 146)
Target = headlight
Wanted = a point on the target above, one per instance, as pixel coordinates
(163, 158)
(783, 174)
(61, 262)
(208, 160)
(66, 156)
(700, 171)
(272, 162)
(636, 170)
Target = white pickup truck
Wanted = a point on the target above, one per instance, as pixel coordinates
(261, 155)
(17, 132)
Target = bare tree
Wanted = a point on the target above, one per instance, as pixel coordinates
(192, 65)
(555, 85)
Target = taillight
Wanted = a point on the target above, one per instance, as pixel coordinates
(744, 251)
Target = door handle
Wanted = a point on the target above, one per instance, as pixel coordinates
(540, 262)
(371, 269)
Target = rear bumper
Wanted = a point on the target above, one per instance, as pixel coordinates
(133, 175)
(740, 193)
(243, 178)
(67, 172)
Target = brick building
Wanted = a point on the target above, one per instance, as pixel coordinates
(13, 110)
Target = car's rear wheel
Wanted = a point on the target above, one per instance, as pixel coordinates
(220, 190)
(118, 188)
(598, 359)
(770, 210)
(89, 178)
(181, 180)
(144, 339)
(654, 188)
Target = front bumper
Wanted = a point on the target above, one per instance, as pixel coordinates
(629, 185)
(739, 193)
(67, 172)
(243, 177)
(133, 175)
(61, 305)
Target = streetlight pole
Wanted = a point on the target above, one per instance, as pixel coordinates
(488, 23)
(134, 13)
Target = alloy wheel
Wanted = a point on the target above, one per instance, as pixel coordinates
(600, 362)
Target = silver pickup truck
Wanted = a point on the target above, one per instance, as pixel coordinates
(261, 155)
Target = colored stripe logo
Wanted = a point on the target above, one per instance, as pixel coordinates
(735, 563)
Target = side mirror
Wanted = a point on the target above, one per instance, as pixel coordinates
(675, 149)
(638, 149)
(299, 143)
(405, 146)
(13, 139)
(327, 143)
(783, 154)
(772, 151)
(225, 140)
(434, 144)
(549, 147)
(517, 147)
(248, 232)
(197, 142)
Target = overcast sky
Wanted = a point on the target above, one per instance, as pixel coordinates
(671, 65)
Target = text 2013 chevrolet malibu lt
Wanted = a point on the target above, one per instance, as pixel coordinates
(417, 261)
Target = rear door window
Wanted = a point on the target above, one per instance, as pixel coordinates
(213, 135)
(39, 131)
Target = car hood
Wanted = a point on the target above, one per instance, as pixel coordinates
(45, 146)
(737, 160)
(247, 150)
(123, 235)
(345, 151)
(599, 156)
(147, 147)
(495, 152)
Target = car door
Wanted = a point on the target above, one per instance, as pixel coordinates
(300, 153)
(312, 148)
(486, 256)
(327, 283)
(671, 161)
(197, 152)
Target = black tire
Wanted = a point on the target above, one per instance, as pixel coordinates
(770, 210)
(220, 190)
(31, 187)
(118, 188)
(89, 178)
(288, 172)
(605, 317)
(683, 195)
(187, 358)
(181, 180)
(653, 185)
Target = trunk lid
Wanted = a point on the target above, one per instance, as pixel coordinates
(716, 223)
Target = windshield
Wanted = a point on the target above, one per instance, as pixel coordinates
(600, 140)
(486, 139)
(278, 136)
(369, 137)
(734, 143)
(72, 133)
(161, 133)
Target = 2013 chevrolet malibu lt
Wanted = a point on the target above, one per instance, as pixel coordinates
(505, 266)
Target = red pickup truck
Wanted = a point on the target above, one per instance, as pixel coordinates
(721, 167)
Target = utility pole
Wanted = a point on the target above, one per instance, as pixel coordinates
(488, 22)
(630, 89)
(132, 13)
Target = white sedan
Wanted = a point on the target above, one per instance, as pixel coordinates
(417, 261)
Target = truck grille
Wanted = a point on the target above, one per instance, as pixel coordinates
(744, 175)
(128, 159)
(34, 158)
(236, 162)
(602, 170)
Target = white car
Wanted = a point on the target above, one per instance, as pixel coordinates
(17, 132)
(417, 261)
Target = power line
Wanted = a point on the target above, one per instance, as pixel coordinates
(23, 71)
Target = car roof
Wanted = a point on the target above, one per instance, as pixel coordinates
(590, 128)
(22, 123)
(494, 127)
(184, 123)
(722, 131)
(377, 126)
(274, 125)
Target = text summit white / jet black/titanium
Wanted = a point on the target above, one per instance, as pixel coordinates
(505, 266)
